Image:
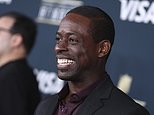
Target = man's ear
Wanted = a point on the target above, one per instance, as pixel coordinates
(16, 40)
(104, 48)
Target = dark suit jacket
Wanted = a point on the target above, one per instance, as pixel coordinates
(105, 99)
(19, 94)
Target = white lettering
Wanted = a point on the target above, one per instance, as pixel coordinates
(137, 11)
(5, 2)
(150, 14)
(125, 9)
(58, 13)
(133, 11)
(42, 11)
(48, 82)
(141, 10)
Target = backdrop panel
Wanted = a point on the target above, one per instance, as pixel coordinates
(131, 63)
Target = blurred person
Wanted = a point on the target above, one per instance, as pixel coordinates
(83, 43)
(19, 94)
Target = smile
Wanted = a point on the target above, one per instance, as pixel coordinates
(65, 62)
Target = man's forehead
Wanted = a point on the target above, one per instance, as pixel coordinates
(74, 16)
(72, 20)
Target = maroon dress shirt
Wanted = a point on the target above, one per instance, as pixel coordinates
(74, 101)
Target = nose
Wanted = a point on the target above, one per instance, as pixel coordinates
(61, 46)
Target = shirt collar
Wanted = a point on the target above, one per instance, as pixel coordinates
(76, 97)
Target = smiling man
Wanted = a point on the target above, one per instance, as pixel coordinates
(83, 44)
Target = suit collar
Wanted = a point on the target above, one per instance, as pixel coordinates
(95, 100)
(92, 103)
(53, 101)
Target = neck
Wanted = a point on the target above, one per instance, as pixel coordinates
(11, 57)
(77, 86)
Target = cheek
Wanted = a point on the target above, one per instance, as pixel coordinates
(89, 55)
(5, 43)
(83, 55)
(79, 54)
(79, 51)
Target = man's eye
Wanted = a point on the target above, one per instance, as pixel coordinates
(73, 40)
(58, 39)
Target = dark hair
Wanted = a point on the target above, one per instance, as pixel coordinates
(25, 26)
(102, 24)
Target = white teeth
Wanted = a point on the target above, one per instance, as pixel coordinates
(65, 61)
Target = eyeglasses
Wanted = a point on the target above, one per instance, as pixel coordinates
(6, 30)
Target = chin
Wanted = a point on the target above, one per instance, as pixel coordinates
(66, 77)
(63, 76)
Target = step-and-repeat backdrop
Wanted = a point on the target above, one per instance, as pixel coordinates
(131, 64)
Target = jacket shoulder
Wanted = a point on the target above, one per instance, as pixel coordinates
(122, 103)
(47, 105)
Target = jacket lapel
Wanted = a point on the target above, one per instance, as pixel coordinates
(95, 100)
(53, 104)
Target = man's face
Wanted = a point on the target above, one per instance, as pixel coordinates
(76, 51)
(5, 35)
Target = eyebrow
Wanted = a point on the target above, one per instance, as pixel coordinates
(65, 33)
